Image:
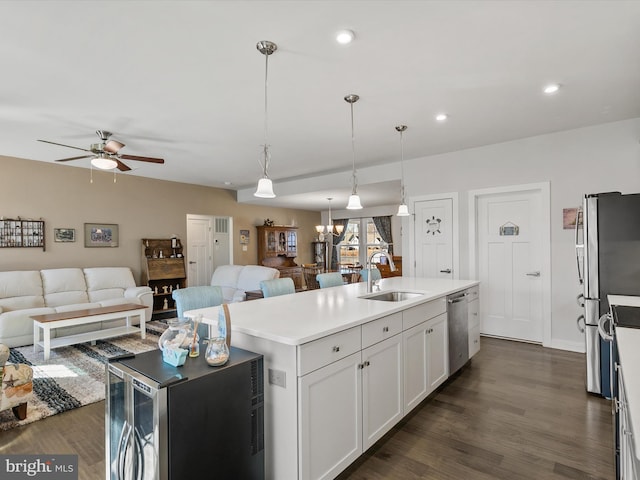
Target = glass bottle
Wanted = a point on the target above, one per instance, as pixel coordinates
(217, 352)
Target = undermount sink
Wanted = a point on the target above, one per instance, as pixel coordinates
(394, 296)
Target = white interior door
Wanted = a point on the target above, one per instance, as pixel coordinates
(434, 238)
(509, 229)
(199, 250)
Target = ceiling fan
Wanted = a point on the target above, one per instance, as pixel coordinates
(105, 154)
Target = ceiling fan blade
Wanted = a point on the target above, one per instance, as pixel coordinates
(122, 167)
(142, 159)
(73, 158)
(63, 145)
(112, 146)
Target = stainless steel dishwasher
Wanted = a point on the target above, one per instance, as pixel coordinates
(458, 320)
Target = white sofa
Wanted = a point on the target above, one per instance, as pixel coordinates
(235, 280)
(37, 292)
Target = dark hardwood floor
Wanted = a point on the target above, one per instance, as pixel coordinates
(517, 411)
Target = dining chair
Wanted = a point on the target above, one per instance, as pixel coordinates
(310, 272)
(191, 298)
(331, 279)
(277, 286)
(375, 274)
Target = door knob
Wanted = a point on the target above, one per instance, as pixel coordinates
(533, 274)
(448, 270)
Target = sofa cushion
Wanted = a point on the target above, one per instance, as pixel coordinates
(16, 327)
(20, 289)
(251, 276)
(64, 286)
(117, 301)
(226, 276)
(104, 283)
(77, 306)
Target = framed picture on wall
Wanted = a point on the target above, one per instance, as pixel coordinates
(64, 234)
(100, 235)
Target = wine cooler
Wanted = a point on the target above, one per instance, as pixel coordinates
(193, 421)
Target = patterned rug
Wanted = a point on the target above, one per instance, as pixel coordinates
(73, 376)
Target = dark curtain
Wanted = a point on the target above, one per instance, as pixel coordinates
(336, 242)
(383, 224)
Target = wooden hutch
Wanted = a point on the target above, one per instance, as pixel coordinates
(277, 248)
(163, 270)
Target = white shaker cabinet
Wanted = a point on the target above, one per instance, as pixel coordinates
(347, 405)
(425, 350)
(382, 389)
(628, 468)
(330, 425)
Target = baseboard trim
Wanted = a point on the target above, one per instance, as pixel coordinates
(578, 347)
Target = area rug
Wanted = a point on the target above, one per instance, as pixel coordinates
(73, 376)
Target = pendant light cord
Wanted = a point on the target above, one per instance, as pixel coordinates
(354, 179)
(402, 166)
(265, 150)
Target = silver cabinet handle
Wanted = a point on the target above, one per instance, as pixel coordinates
(533, 274)
(191, 263)
(385, 329)
(580, 300)
(448, 270)
(335, 349)
(580, 328)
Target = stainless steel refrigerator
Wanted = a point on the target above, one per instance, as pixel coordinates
(608, 254)
(193, 421)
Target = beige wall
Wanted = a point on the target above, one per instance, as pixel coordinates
(143, 208)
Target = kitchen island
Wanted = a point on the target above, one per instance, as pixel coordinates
(342, 368)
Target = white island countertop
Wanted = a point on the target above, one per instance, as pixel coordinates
(628, 340)
(306, 316)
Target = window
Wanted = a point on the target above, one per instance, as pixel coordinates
(352, 249)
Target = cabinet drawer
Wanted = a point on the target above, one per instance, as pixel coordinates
(381, 329)
(324, 351)
(474, 341)
(473, 293)
(418, 314)
(474, 314)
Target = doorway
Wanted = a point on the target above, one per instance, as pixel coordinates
(209, 245)
(434, 231)
(510, 254)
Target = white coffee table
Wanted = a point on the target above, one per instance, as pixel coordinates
(51, 321)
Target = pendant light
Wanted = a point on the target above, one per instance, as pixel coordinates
(403, 210)
(354, 198)
(265, 185)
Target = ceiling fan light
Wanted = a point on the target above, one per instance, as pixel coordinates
(354, 202)
(265, 189)
(104, 163)
(403, 211)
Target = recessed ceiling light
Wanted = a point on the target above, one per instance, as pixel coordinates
(228, 183)
(442, 117)
(345, 37)
(551, 88)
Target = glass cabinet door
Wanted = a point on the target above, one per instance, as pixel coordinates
(292, 243)
(272, 245)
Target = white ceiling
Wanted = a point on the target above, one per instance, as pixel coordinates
(184, 81)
